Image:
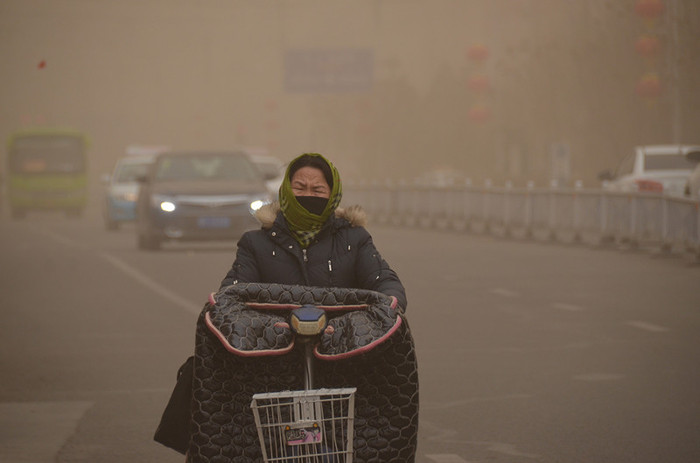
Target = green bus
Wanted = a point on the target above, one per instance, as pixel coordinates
(47, 171)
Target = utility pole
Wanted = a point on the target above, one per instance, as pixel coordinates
(674, 59)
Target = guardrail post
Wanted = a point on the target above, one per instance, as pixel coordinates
(632, 238)
(443, 202)
(432, 214)
(666, 243)
(466, 205)
(528, 232)
(506, 209)
(606, 236)
(425, 215)
(412, 218)
(485, 206)
(577, 238)
(552, 233)
(397, 199)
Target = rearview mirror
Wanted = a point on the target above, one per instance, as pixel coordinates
(142, 178)
(606, 175)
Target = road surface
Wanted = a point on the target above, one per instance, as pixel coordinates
(528, 352)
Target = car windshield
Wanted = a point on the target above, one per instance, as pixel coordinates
(269, 168)
(130, 171)
(667, 162)
(47, 154)
(210, 167)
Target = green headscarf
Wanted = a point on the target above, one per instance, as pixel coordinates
(303, 224)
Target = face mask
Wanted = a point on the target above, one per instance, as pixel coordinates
(313, 204)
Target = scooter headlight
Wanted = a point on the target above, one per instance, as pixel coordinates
(167, 206)
(308, 320)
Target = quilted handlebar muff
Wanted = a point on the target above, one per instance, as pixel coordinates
(244, 346)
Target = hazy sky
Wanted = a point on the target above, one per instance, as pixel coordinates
(211, 74)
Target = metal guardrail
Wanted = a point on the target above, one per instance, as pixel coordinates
(649, 220)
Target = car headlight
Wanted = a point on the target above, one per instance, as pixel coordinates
(163, 203)
(256, 204)
(167, 206)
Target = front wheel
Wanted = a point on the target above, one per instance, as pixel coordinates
(111, 224)
(17, 213)
(74, 213)
(148, 242)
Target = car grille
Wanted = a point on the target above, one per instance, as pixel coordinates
(217, 205)
(219, 209)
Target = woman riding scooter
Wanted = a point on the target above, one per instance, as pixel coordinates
(307, 248)
(306, 239)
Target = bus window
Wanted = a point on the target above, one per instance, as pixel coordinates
(47, 154)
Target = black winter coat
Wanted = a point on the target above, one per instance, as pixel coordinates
(342, 255)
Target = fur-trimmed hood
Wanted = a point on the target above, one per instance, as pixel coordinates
(355, 214)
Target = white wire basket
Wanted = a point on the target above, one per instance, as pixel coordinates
(313, 426)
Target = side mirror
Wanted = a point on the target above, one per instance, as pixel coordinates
(606, 175)
(693, 156)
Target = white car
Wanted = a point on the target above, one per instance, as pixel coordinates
(663, 169)
(122, 187)
(692, 188)
(272, 170)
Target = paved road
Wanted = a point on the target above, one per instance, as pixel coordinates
(528, 352)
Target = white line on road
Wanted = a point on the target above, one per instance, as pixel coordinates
(446, 458)
(34, 432)
(567, 307)
(503, 292)
(152, 285)
(598, 377)
(60, 238)
(470, 400)
(438, 433)
(130, 271)
(96, 393)
(647, 326)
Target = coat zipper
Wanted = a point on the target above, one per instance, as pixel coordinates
(306, 259)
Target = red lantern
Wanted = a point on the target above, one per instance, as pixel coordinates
(647, 46)
(479, 114)
(649, 86)
(479, 84)
(478, 53)
(649, 9)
